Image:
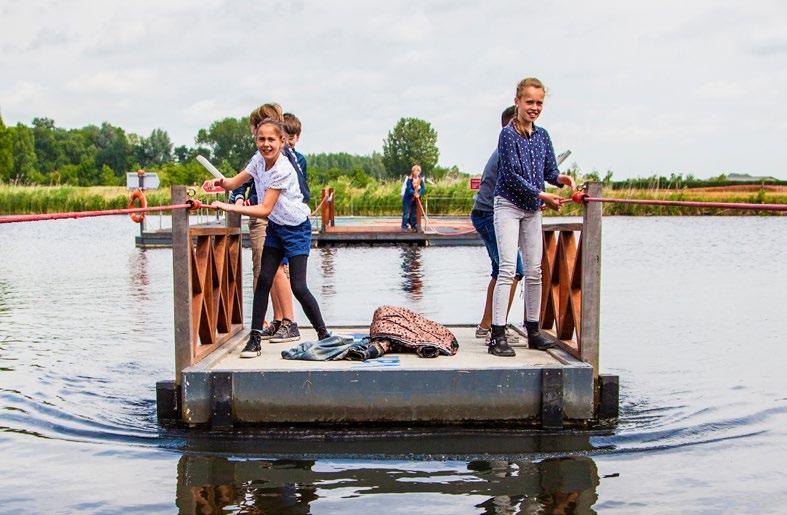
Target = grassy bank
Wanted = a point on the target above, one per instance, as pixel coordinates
(450, 197)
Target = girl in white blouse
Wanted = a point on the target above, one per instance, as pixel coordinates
(289, 229)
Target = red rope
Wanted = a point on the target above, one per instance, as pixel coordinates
(192, 204)
(580, 198)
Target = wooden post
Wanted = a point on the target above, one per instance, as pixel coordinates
(324, 211)
(418, 214)
(591, 280)
(181, 278)
(233, 219)
(332, 207)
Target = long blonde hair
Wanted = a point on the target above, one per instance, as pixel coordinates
(527, 82)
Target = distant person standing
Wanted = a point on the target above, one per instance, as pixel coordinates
(483, 218)
(527, 159)
(413, 188)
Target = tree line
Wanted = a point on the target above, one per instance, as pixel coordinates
(101, 155)
(44, 154)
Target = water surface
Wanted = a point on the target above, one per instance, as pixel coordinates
(692, 322)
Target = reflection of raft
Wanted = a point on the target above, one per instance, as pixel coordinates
(293, 484)
(553, 389)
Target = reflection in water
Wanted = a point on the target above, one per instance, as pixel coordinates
(327, 255)
(212, 484)
(138, 273)
(412, 276)
(5, 291)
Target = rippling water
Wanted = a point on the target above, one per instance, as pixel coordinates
(693, 322)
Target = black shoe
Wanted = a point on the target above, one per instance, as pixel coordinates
(270, 330)
(536, 340)
(288, 332)
(252, 348)
(498, 345)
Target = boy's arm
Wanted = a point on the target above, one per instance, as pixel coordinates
(261, 210)
(239, 193)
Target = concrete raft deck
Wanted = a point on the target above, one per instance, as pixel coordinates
(535, 387)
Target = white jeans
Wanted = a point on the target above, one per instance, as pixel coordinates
(517, 229)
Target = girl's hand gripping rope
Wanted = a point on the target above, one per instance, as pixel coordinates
(553, 201)
(216, 204)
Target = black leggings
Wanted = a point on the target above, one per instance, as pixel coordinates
(271, 259)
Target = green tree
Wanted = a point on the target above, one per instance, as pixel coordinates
(156, 149)
(77, 146)
(112, 149)
(411, 141)
(24, 154)
(184, 154)
(6, 152)
(230, 142)
(48, 143)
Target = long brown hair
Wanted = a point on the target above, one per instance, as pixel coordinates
(270, 110)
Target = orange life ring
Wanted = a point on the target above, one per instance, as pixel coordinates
(138, 194)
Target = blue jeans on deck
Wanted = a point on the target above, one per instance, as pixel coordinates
(484, 223)
(332, 348)
(408, 211)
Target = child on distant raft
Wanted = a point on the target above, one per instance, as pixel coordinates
(288, 233)
(281, 294)
(414, 186)
(526, 160)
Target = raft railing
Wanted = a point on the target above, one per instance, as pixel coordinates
(207, 285)
(208, 294)
(571, 283)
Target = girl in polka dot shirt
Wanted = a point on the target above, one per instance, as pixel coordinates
(527, 159)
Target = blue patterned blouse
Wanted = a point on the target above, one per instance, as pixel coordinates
(525, 162)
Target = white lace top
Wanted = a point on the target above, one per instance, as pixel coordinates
(289, 209)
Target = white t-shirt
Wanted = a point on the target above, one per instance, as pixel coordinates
(289, 209)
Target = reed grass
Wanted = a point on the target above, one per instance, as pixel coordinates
(58, 199)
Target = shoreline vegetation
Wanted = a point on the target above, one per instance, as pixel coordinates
(46, 169)
(449, 196)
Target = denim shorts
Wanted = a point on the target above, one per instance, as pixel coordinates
(294, 240)
(484, 223)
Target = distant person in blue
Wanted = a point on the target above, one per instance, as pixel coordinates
(413, 188)
(483, 218)
(527, 159)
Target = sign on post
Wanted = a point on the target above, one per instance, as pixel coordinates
(151, 181)
(475, 183)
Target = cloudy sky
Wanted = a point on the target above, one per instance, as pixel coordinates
(673, 86)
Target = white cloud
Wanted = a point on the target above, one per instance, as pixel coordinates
(125, 82)
(721, 90)
(639, 86)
